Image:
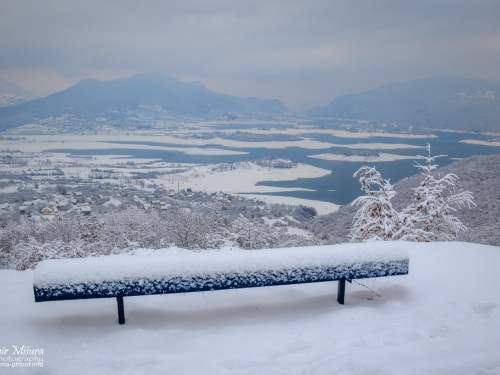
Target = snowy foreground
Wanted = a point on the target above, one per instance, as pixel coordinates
(442, 318)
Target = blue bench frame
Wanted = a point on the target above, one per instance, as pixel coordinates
(126, 288)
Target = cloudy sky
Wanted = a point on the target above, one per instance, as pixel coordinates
(305, 53)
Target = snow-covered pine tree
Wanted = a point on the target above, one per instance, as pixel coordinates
(432, 207)
(376, 220)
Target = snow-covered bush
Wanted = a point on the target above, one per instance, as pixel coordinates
(67, 236)
(428, 218)
(27, 255)
(23, 244)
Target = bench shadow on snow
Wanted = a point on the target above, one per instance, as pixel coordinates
(389, 294)
(252, 306)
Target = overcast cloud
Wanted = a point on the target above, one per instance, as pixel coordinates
(305, 53)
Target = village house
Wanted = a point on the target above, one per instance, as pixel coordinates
(61, 204)
(86, 210)
(46, 211)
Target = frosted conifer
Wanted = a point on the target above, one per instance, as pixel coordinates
(433, 204)
(376, 220)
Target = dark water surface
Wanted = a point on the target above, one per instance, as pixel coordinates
(340, 180)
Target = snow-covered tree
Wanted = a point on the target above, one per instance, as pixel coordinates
(428, 218)
(434, 204)
(214, 233)
(185, 227)
(254, 234)
(376, 220)
(66, 228)
(246, 233)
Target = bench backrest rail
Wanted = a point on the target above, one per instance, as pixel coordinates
(119, 277)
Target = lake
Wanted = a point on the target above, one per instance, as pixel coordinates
(338, 187)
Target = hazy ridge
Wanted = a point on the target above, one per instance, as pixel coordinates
(457, 103)
(11, 94)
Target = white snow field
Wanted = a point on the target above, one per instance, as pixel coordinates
(442, 318)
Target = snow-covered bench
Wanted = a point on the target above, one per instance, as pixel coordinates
(122, 276)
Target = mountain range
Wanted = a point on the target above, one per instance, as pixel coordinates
(458, 103)
(90, 99)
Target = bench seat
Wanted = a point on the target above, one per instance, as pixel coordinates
(122, 276)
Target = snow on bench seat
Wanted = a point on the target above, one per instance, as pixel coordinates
(120, 276)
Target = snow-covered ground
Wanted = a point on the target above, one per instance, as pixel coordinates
(8, 189)
(243, 179)
(322, 208)
(478, 142)
(443, 318)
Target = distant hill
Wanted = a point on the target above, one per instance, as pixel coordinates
(457, 103)
(90, 99)
(11, 94)
(479, 174)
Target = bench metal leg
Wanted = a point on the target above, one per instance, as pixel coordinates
(121, 310)
(341, 292)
